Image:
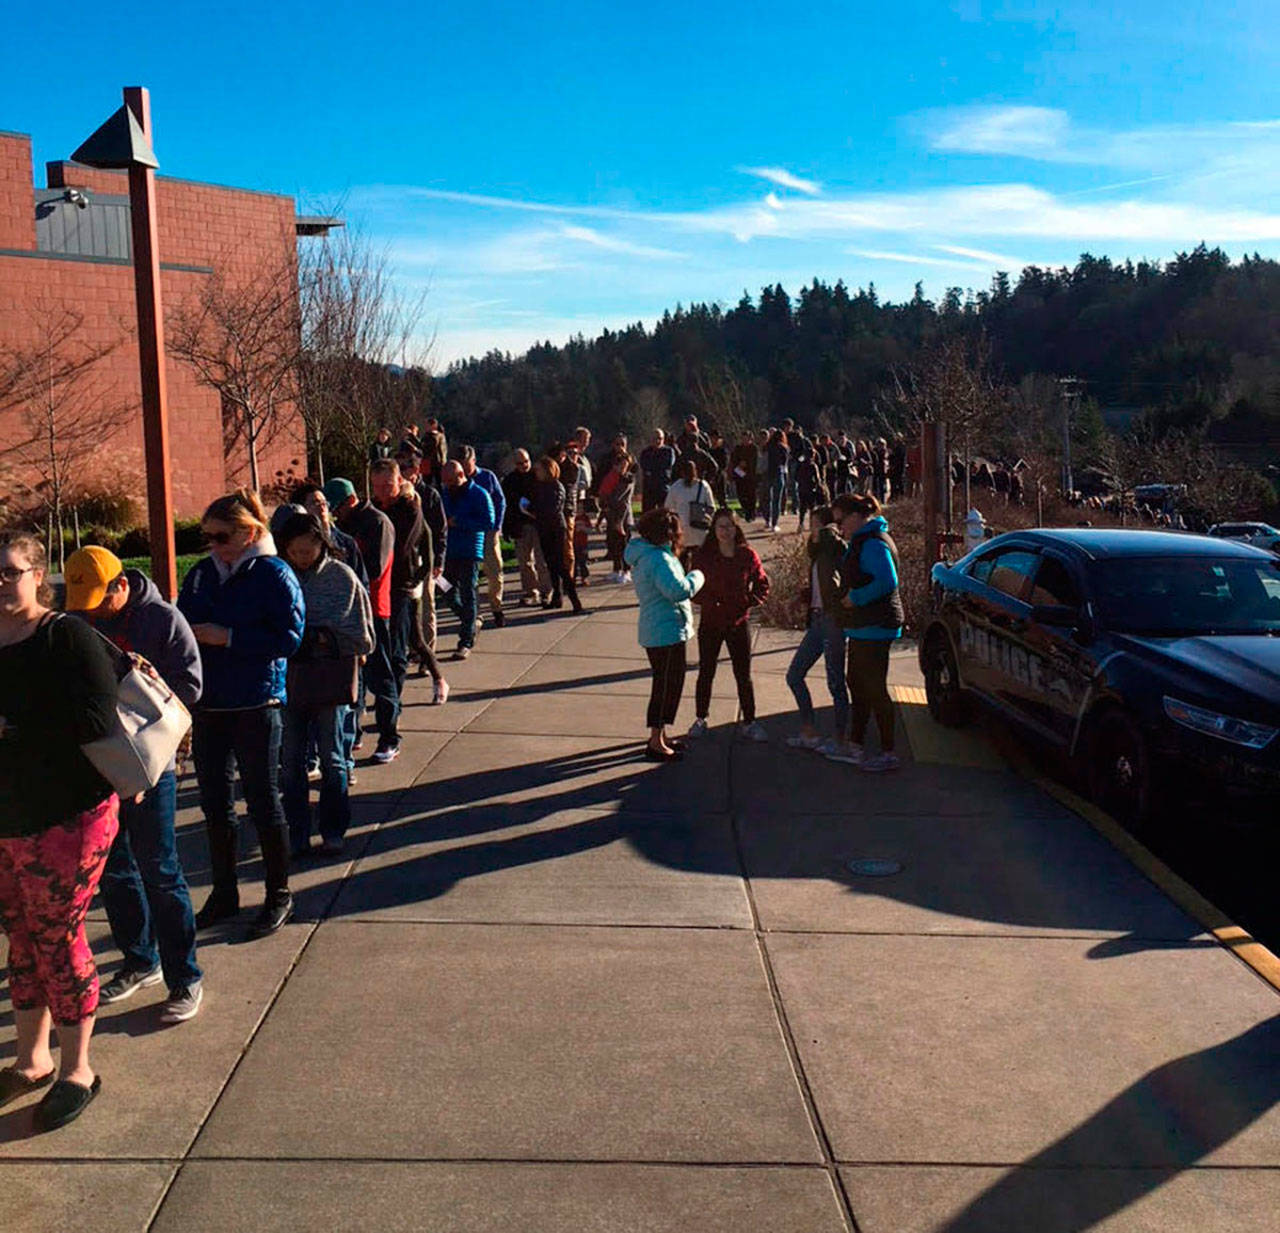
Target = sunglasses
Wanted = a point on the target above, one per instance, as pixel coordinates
(11, 573)
(217, 537)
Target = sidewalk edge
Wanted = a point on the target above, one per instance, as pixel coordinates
(1228, 934)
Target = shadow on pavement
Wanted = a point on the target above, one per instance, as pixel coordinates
(1168, 1120)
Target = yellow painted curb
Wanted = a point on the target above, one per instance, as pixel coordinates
(930, 742)
(1238, 941)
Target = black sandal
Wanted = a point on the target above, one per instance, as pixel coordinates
(64, 1102)
(14, 1084)
(662, 755)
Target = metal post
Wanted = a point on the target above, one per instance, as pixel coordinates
(1070, 403)
(929, 492)
(151, 361)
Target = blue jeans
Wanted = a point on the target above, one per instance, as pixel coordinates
(822, 638)
(777, 494)
(351, 716)
(145, 892)
(333, 815)
(249, 739)
(462, 597)
(402, 618)
(381, 681)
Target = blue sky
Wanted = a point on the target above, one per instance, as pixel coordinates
(543, 169)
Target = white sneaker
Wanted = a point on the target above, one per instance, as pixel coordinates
(828, 747)
(626, 578)
(182, 1004)
(698, 728)
(881, 762)
(805, 742)
(847, 753)
(754, 731)
(440, 695)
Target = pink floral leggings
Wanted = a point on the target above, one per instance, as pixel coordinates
(47, 882)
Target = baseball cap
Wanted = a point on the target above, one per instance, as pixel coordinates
(90, 571)
(338, 490)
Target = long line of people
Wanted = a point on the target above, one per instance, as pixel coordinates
(286, 628)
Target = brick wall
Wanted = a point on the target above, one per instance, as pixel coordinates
(236, 232)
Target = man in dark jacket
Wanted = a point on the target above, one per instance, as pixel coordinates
(470, 517)
(521, 527)
(143, 887)
(422, 624)
(402, 506)
(657, 469)
(742, 464)
(310, 496)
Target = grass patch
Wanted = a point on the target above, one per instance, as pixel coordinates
(185, 564)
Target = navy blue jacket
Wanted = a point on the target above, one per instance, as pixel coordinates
(158, 632)
(471, 511)
(261, 604)
(493, 486)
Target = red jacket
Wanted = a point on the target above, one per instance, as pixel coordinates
(734, 585)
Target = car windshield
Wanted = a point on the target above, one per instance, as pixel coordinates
(1178, 596)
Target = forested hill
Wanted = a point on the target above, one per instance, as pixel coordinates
(1194, 339)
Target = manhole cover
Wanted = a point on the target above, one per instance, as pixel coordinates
(875, 868)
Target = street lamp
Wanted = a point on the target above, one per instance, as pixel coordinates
(123, 143)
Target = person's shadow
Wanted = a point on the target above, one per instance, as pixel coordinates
(1163, 1124)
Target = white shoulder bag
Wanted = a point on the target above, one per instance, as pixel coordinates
(150, 724)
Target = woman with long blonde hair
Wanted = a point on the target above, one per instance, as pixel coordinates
(246, 610)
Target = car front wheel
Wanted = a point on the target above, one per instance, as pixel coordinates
(947, 701)
(1120, 769)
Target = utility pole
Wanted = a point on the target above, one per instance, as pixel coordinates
(1072, 388)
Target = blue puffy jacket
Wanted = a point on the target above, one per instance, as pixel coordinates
(261, 604)
(664, 591)
(470, 514)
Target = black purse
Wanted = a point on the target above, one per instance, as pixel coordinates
(318, 677)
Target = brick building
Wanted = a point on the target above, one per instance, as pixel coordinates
(68, 246)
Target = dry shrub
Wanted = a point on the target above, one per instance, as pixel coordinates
(788, 563)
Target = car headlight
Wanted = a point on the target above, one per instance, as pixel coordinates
(1237, 731)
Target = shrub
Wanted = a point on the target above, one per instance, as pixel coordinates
(187, 539)
(109, 508)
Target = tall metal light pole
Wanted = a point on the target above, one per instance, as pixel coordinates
(1071, 390)
(123, 143)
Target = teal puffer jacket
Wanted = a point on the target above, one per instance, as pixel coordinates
(664, 591)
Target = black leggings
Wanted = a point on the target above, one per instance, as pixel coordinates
(867, 671)
(738, 640)
(552, 542)
(616, 539)
(669, 664)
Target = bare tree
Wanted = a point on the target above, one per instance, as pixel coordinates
(362, 361)
(724, 402)
(241, 335)
(67, 409)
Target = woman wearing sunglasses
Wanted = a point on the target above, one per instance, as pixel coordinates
(246, 610)
(58, 817)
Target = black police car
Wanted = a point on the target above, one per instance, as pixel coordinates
(1149, 656)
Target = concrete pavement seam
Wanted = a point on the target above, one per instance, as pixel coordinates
(783, 1021)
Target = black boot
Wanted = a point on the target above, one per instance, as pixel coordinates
(221, 905)
(277, 909)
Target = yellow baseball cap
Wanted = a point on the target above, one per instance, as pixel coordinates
(90, 571)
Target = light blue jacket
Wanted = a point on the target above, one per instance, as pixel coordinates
(664, 591)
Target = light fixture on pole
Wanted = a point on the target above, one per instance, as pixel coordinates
(123, 143)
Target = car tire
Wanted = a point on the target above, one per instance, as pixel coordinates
(948, 702)
(1119, 770)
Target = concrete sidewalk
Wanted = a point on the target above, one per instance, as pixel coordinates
(558, 988)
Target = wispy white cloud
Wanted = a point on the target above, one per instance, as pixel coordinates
(612, 244)
(981, 254)
(880, 254)
(784, 179)
(1033, 132)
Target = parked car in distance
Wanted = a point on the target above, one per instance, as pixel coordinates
(1259, 534)
(1151, 658)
